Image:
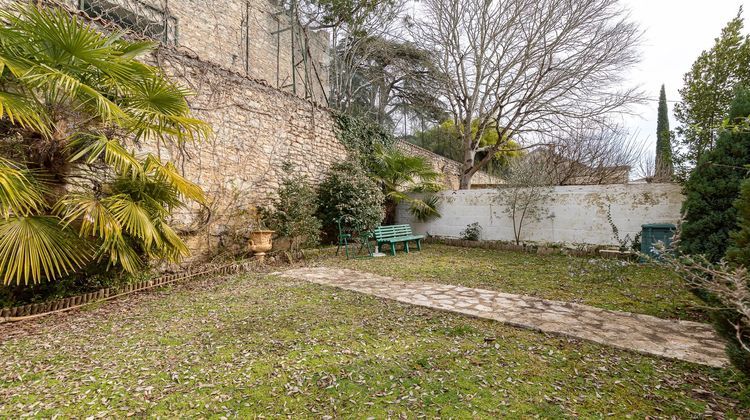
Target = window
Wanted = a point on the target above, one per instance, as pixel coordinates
(136, 16)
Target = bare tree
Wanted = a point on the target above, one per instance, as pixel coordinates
(652, 171)
(524, 67)
(525, 193)
(590, 154)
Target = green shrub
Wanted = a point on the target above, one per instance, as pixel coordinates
(472, 232)
(711, 211)
(293, 213)
(348, 193)
(713, 187)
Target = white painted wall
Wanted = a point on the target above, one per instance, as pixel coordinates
(574, 214)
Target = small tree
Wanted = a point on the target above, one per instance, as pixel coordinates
(349, 194)
(525, 193)
(401, 177)
(590, 153)
(293, 213)
(73, 195)
(713, 187)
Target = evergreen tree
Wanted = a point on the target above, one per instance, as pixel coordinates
(664, 166)
(739, 249)
(708, 92)
(713, 187)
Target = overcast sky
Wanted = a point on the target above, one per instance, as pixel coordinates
(675, 33)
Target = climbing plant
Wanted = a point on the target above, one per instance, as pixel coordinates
(362, 137)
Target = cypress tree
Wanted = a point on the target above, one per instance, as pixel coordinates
(714, 186)
(664, 166)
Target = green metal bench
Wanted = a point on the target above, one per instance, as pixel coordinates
(394, 234)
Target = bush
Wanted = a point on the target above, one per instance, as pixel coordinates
(713, 187)
(348, 193)
(293, 213)
(472, 232)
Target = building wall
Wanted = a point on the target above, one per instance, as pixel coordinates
(573, 214)
(237, 35)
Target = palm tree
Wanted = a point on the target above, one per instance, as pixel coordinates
(401, 177)
(71, 192)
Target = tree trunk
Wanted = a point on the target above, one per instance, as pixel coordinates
(467, 170)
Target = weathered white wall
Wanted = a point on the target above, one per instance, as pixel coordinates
(574, 214)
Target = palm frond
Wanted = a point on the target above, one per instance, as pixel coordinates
(134, 219)
(132, 50)
(396, 196)
(59, 84)
(94, 217)
(427, 186)
(70, 41)
(154, 125)
(117, 251)
(91, 147)
(24, 111)
(425, 209)
(20, 192)
(160, 96)
(17, 66)
(173, 247)
(36, 248)
(169, 174)
(156, 196)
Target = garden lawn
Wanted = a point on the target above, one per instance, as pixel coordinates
(605, 283)
(259, 344)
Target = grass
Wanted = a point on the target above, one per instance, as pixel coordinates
(257, 344)
(605, 283)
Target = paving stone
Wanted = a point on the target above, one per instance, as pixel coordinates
(683, 340)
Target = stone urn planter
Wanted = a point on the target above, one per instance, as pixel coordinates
(261, 241)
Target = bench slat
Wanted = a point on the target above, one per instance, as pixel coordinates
(395, 233)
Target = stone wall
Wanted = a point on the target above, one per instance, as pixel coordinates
(234, 34)
(572, 214)
(450, 168)
(257, 130)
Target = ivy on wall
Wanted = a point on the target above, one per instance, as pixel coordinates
(361, 136)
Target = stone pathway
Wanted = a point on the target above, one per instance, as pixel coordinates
(683, 340)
